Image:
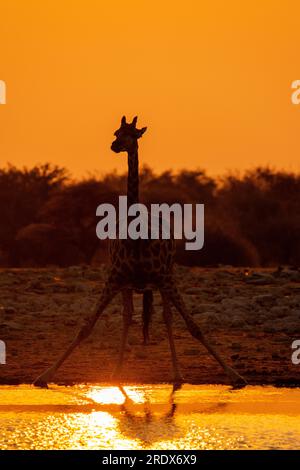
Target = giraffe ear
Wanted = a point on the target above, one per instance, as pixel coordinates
(141, 132)
(123, 121)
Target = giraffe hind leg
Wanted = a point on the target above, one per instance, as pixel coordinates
(173, 294)
(167, 314)
(127, 320)
(147, 314)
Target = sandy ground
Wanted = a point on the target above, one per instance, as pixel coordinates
(251, 317)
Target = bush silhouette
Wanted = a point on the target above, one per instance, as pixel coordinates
(47, 218)
(44, 245)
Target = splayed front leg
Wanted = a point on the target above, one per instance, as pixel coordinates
(46, 377)
(172, 293)
(109, 292)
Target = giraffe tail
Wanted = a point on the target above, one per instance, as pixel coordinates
(147, 313)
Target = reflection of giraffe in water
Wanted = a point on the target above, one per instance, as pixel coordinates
(152, 426)
(140, 265)
(148, 427)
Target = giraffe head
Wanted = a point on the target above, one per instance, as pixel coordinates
(127, 136)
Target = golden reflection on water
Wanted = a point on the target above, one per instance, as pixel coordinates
(115, 395)
(149, 417)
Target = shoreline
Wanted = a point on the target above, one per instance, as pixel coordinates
(250, 316)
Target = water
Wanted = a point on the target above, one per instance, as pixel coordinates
(149, 417)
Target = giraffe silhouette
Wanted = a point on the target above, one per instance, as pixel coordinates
(127, 295)
(140, 265)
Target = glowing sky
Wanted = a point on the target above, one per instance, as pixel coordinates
(210, 79)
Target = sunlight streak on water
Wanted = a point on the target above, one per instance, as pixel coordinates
(116, 396)
(149, 417)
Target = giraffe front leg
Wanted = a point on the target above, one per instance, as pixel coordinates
(167, 314)
(127, 320)
(173, 294)
(109, 292)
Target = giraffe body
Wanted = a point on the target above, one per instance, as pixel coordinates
(142, 267)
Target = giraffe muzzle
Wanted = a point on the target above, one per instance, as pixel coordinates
(116, 147)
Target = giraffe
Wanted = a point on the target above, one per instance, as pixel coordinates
(127, 295)
(133, 198)
(140, 265)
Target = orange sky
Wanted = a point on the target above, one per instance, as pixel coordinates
(211, 80)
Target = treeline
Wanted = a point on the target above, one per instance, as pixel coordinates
(49, 219)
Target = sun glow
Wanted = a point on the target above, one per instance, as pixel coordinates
(115, 395)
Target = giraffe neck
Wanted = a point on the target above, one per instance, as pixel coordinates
(133, 177)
